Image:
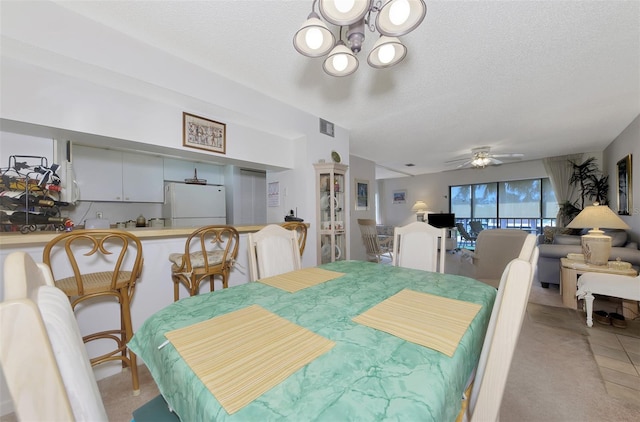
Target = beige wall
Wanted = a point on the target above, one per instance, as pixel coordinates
(628, 142)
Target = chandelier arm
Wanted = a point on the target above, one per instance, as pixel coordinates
(371, 25)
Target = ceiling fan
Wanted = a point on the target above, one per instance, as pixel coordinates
(482, 157)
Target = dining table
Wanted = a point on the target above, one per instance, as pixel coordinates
(361, 374)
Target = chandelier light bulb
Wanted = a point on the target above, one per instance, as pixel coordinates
(399, 12)
(340, 62)
(399, 17)
(344, 6)
(313, 38)
(386, 53)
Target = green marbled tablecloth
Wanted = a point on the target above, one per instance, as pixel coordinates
(368, 376)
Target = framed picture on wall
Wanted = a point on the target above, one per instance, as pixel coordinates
(624, 185)
(201, 133)
(399, 196)
(362, 195)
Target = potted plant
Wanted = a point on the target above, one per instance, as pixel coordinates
(589, 179)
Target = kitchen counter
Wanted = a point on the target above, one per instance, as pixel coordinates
(16, 239)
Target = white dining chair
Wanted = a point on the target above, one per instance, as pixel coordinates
(43, 357)
(416, 246)
(273, 250)
(483, 397)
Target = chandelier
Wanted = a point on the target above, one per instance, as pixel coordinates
(393, 18)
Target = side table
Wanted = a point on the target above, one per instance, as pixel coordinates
(570, 270)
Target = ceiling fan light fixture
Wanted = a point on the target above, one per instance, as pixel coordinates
(344, 12)
(386, 52)
(481, 161)
(313, 39)
(341, 61)
(399, 17)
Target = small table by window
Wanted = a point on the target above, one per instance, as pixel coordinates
(571, 269)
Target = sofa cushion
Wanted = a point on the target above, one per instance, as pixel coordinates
(618, 237)
(566, 239)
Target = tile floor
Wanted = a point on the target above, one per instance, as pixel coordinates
(618, 358)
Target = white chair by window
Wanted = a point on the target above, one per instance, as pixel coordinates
(273, 250)
(416, 246)
(41, 350)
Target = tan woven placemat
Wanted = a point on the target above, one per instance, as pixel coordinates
(242, 354)
(300, 279)
(431, 321)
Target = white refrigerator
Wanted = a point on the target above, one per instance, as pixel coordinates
(191, 205)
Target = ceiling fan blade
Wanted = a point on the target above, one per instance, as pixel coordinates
(494, 162)
(467, 163)
(511, 155)
(457, 160)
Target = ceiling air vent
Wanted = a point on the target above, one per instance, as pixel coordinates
(326, 127)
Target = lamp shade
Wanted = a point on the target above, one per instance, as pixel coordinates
(419, 206)
(596, 247)
(344, 12)
(313, 39)
(597, 216)
(341, 61)
(386, 52)
(399, 17)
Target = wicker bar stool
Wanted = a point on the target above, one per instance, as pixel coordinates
(301, 231)
(208, 251)
(73, 258)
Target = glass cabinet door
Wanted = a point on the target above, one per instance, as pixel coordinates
(331, 212)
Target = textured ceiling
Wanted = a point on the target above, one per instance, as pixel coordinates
(541, 78)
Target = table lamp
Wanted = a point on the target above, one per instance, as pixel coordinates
(596, 246)
(419, 208)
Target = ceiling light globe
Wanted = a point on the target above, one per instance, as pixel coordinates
(341, 61)
(313, 39)
(344, 6)
(343, 12)
(399, 17)
(399, 12)
(386, 52)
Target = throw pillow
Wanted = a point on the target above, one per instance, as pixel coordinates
(548, 232)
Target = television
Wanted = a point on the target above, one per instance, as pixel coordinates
(442, 220)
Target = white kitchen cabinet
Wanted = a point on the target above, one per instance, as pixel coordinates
(142, 178)
(117, 176)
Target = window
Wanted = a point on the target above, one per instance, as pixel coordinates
(518, 204)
